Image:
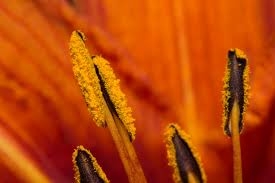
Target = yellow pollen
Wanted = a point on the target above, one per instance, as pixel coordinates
(87, 79)
(98, 169)
(170, 132)
(226, 88)
(117, 97)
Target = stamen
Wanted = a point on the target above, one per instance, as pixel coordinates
(236, 87)
(182, 157)
(235, 100)
(107, 103)
(86, 168)
(88, 82)
(113, 95)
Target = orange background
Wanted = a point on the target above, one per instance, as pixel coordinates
(170, 57)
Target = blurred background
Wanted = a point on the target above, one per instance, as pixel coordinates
(170, 57)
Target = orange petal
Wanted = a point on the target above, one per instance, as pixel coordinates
(170, 57)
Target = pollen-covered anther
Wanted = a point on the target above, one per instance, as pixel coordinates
(236, 87)
(86, 168)
(113, 95)
(182, 157)
(88, 82)
(106, 103)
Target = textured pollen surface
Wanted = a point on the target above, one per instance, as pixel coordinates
(183, 166)
(84, 72)
(96, 173)
(239, 53)
(228, 96)
(116, 95)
